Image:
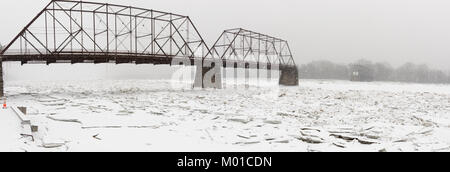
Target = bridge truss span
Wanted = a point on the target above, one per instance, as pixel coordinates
(249, 47)
(69, 30)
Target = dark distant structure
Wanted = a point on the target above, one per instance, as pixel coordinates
(361, 73)
(91, 32)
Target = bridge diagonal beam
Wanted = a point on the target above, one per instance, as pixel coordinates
(23, 30)
(182, 38)
(156, 37)
(32, 45)
(82, 29)
(68, 42)
(67, 30)
(38, 41)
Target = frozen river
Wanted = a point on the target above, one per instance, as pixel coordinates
(158, 115)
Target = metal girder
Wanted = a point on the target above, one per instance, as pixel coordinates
(249, 46)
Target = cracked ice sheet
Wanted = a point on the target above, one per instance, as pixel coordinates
(143, 115)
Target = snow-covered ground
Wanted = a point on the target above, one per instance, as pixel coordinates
(150, 115)
(10, 131)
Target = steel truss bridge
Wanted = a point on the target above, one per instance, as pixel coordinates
(90, 32)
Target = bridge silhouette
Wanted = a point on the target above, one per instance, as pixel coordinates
(91, 32)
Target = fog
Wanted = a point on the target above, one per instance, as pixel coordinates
(13, 71)
(341, 31)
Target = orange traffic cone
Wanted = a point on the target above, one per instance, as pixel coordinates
(4, 103)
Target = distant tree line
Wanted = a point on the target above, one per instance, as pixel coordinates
(409, 72)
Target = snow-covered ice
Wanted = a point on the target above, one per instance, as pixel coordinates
(153, 115)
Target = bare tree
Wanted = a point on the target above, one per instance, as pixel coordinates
(408, 72)
(323, 70)
(405, 73)
(448, 76)
(383, 72)
(422, 74)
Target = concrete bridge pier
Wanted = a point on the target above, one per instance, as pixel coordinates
(288, 75)
(224, 76)
(257, 75)
(208, 76)
(235, 76)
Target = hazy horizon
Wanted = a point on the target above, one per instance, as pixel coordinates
(393, 31)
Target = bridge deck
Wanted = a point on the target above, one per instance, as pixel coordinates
(134, 59)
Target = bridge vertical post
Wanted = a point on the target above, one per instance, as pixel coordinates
(288, 76)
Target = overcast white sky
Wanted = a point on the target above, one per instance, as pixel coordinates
(394, 31)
